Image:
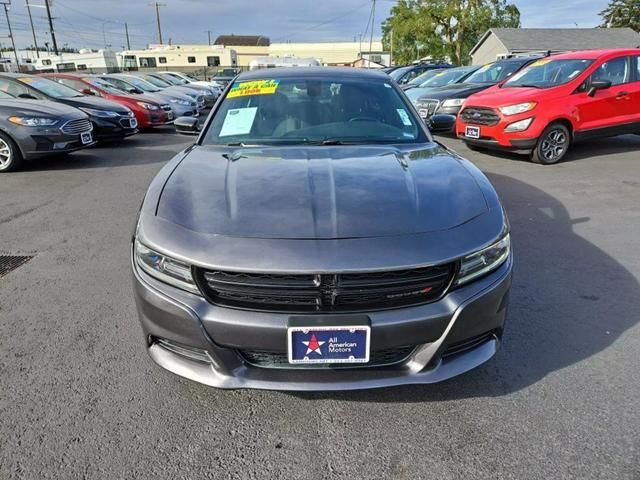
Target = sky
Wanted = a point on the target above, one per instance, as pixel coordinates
(96, 23)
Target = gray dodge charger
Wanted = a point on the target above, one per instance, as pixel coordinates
(316, 237)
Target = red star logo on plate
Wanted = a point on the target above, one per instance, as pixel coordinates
(313, 345)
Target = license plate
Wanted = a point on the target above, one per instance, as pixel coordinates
(85, 138)
(133, 122)
(169, 115)
(423, 112)
(472, 132)
(344, 344)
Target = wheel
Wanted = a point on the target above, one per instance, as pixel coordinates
(10, 155)
(552, 145)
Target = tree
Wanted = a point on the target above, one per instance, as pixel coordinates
(440, 28)
(622, 13)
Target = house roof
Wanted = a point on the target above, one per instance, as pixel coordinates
(561, 39)
(243, 40)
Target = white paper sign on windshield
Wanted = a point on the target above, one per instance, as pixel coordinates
(238, 121)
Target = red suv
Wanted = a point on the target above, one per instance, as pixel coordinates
(555, 101)
(147, 111)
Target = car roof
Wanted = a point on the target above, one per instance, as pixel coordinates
(339, 73)
(593, 54)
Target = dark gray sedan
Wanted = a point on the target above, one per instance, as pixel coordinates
(315, 237)
(38, 128)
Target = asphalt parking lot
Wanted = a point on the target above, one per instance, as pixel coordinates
(81, 399)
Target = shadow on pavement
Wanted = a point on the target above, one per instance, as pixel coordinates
(569, 301)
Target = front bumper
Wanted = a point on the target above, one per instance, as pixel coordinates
(494, 137)
(475, 311)
(113, 128)
(43, 142)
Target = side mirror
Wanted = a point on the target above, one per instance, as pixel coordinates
(187, 125)
(87, 91)
(27, 96)
(598, 85)
(441, 123)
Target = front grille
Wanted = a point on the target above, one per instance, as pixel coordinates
(377, 358)
(127, 122)
(76, 126)
(480, 116)
(325, 292)
(426, 108)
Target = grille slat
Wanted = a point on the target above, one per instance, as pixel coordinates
(325, 292)
(377, 358)
(480, 116)
(76, 126)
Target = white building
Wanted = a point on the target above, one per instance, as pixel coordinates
(177, 56)
(98, 61)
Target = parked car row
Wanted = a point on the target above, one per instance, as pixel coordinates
(57, 113)
(536, 105)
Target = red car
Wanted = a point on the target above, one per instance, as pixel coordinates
(555, 101)
(147, 111)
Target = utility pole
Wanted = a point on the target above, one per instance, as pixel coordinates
(53, 35)
(33, 30)
(126, 31)
(5, 4)
(373, 21)
(209, 32)
(157, 5)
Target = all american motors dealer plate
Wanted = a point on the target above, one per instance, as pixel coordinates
(327, 344)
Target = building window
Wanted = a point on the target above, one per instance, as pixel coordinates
(162, 59)
(81, 66)
(191, 59)
(46, 62)
(213, 61)
(148, 62)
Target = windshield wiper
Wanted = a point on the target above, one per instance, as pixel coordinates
(524, 85)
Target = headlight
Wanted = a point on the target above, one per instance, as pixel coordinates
(33, 121)
(180, 102)
(519, 108)
(453, 102)
(164, 268)
(484, 261)
(99, 113)
(519, 126)
(148, 106)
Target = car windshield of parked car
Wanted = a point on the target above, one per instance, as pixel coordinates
(546, 73)
(423, 77)
(445, 77)
(494, 72)
(168, 78)
(399, 72)
(142, 84)
(313, 111)
(5, 96)
(158, 82)
(49, 87)
(102, 85)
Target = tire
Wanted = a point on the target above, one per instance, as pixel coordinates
(10, 155)
(552, 145)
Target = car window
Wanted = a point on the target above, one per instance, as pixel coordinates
(103, 85)
(77, 85)
(446, 76)
(638, 68)
(16, 89)
(617, 71)
(49, 87)
(302, 110)
(494, 72)
(546, 73)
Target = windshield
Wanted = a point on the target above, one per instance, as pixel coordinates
(101, 84)
(155, 81)
(313, 111)
(5, 95)
(399, 72)
(445, 77)
(49, 87)
(142, 84)
(548, 73)
(494, 72)
(174, 79)
(423, 77)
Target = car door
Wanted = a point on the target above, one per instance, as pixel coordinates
(634, 89)
(610, 107)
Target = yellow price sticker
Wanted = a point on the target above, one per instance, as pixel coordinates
(254, 87)
(539, 63)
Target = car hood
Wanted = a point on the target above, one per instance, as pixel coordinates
(89, 101)
(457, 90)
(26, 107)
(320, 192)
